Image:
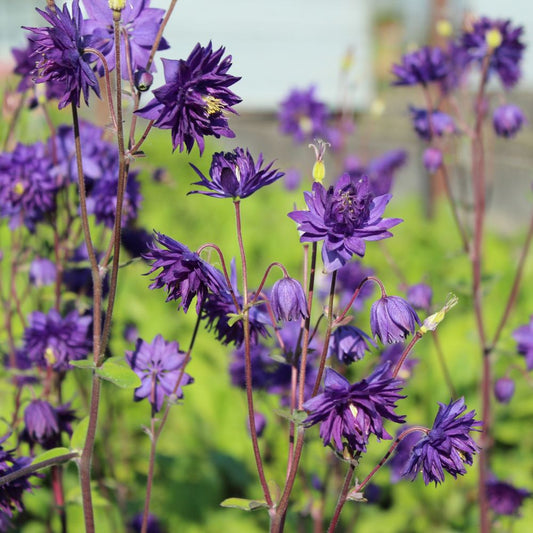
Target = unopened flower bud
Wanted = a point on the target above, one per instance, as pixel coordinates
(432, 321)
(143, 80)
(319, 169)
(392, 319)
(288, 300)
(504, 389)
(508, 120)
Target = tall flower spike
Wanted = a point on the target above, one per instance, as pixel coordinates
(195, 98)
(344, 217)
(235, 175)
(351, 412)
(447, 446)
(59, 52)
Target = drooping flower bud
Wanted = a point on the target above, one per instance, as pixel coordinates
(143, 80)
(508, 120)
(504, 389)
(288, 300)
(392, 319)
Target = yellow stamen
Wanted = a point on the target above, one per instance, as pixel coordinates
(213, 105)
(50, 356)
(18, 188)
(493, 38)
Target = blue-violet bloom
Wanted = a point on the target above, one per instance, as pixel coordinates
(441, 123)
(504, 389)
(504, 498)
(508, 120)
(392, 319)
(288, 300)
(422, 66)
(349, 344)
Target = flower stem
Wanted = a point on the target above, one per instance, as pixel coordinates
(342, 498)
(416, 337)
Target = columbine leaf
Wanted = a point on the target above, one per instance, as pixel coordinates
(83, 363)
(50, 454)
(244, 504)
(117, 371)
(77, 441)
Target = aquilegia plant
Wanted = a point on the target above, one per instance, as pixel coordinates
(325, 350)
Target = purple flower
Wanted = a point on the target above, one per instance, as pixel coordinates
(44, 423)
(504, 498)
(42, 272)
(183, 273)
(195, 98)
(153, 525)
(447, 446)
(422, 66)
(432, 159)
(142, 80)
(504, 389)
(59, 52)
(344, 217)
(235, 175)
(354, 411)
(159, 365)
(288, 300)
(402, 453)
(508, 120)
(139, 25)
(419, 296)
(524, 337)
(441, 123)
(303, 116)
(80, 280)
(349, 344)
(505, 58)
(135, 240)
(262, 366)
(51, 340)
(11, 493)
(392, 319)
(260, 422)
(28, 188)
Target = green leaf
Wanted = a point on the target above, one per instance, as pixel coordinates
(77, 441)
(233, 318)
(50, 454)
(83, 363)
(297, 417)
(119, 373)
(244, 504)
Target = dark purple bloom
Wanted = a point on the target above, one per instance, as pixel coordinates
(508, 120)
(392, 353)
(153, 525)
(504, 58)
(59, 52)
(504, 389)
(136, 240)
(236, 175)
(183, 273)
(11, 493)
(349, 344)
(158, 364)
(195, 98)
(28, 188)
(139, 25)
(260, 423)
(524, 337)
(51, 340)
(344, 217)
(353, 411)
(262, 367)
(504, 498)
(441, 123)
(447, 446)
(44, 423)
(419, 296)
(288, 300)
(402, 453)
(422, 66)
(42, 272)
(303, 116)
(432, 159)
(392, 319)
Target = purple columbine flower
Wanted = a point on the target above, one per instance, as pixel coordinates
(392, 319)
(158, 364)
(59, 53)
(419, 296)
(447, 446)
(508, 120)
(42, 272)
(344, 217)
(28, 188)
(402, 453)
(422, 66)
(139, 25)
(432, 159)
(195, 98)
(504, 389)
(288, 300)
(51, 340)
(504, 498)
(136, 240)
(303, 116)
(349, 344)
(505, 58)
(183, 273)
(524, 337)
(45, 423)
(11, 493)
(351, 412)
(441, 123)
(235, 175)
